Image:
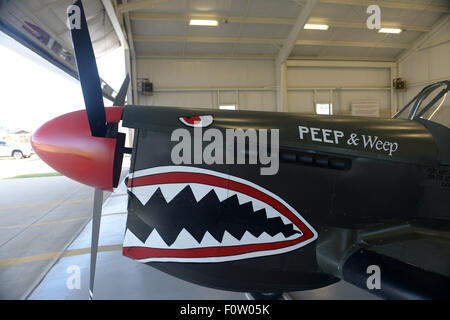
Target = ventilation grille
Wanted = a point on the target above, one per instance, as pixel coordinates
(316, 160)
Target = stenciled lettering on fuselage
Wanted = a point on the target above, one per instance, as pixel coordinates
(364, 142)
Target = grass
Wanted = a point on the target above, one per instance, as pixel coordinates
(36, 175)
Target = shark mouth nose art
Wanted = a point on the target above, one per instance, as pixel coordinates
(198, 215)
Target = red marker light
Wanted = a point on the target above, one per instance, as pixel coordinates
(66, 144)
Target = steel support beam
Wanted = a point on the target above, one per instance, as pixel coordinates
(299, 24)
(126, 7)
(285, 51)
(115, 23)
(132, 55)
(394, 97)
(149, 55)
(281, 85)
(339, 64)
(419, 42)
(269, 20)
(149, 38)
(407, 5)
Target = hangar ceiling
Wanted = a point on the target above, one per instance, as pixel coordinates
(259, 28)
(247, 28)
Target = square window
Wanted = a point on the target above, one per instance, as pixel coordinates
(324, 108)
(227, 107)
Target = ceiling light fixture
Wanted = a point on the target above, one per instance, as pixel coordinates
(197, 22)
(390, 30)
(309, 26)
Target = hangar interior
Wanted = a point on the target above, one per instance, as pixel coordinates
(305, 56)
(247, 59)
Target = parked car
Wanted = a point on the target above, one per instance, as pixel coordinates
(16, 150)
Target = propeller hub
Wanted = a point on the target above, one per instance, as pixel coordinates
(66, 144)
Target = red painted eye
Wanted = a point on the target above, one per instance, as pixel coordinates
(196, 121)
(192, 120)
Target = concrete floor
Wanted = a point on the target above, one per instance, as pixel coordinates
(116, 276)
(39, 218)
(40, 241)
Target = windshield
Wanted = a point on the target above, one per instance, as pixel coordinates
(431, 103)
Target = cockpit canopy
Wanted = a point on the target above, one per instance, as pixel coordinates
(432, 103)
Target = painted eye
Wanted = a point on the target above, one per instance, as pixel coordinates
(196, 121)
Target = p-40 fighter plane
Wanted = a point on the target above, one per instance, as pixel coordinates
(304, 202)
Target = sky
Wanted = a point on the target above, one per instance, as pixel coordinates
(33, 91)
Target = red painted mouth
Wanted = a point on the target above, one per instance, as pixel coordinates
(172, 180)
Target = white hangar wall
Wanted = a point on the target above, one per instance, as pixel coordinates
(251, 84)
(427, 64)
(205, 83)
(339, 85)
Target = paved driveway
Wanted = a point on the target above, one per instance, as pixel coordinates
(9, 167)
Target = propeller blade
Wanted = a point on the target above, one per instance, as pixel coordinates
(96, 218)
(119, 100)
(87, 71)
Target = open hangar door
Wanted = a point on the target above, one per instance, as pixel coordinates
(336, 58)
(41, 26)
(40, 82)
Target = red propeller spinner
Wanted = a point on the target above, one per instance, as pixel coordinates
(67, 145)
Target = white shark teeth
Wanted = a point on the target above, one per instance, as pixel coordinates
(258, 205)
(209, 241)
(248, 238)
(169, 191)
(184, 241)
(271, 213)
(264, 237)
(199, 190)
(154, 240)
(221, 193)
(231, 193)
(131, 240)
(229, 240)
(144, 193)
(285, 220)
(243, 198)
(278, 237)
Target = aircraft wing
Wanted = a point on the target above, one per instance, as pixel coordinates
(395, 261)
